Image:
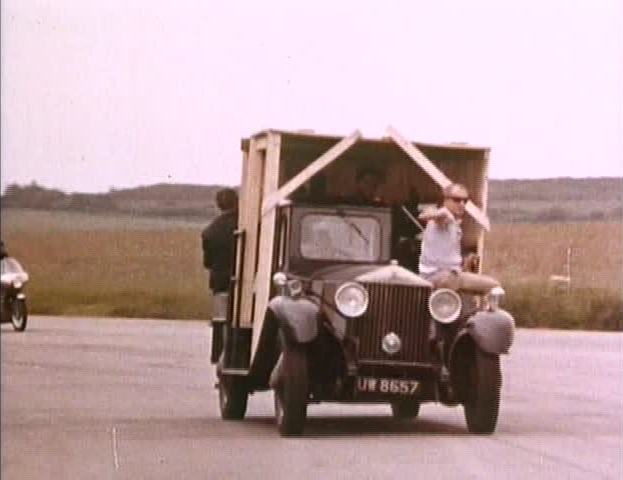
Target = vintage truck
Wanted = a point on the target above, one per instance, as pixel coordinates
(357, 323)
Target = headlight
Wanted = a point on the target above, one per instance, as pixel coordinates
(495, 297)
(286, 286)
(280, 279)
(444, 305)
(351, 299)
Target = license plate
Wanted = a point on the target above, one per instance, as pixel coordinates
(393, 386)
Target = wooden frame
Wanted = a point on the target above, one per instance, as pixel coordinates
(313, 168)
(265, 184)
(437, 175)
(250, 195)
(263, 280)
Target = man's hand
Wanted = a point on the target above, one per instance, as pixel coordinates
(471, 262)
(441, 216)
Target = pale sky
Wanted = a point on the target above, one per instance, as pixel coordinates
(101, 94)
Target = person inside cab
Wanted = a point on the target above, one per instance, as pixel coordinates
(313, 191)
(368, 180)
(441, 261)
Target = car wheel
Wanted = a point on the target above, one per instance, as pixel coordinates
(292, 392)
(19, 315)
(233, 396)
(482, 403)
(406, 409)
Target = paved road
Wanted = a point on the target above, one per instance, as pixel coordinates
(85, 398)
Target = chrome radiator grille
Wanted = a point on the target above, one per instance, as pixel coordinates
(400, 309)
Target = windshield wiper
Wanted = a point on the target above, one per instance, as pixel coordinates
(352, 225)
(411, 217)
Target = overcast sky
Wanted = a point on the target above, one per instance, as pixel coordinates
(101, 94)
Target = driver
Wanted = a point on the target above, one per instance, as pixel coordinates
(440, 261)
(368, 180)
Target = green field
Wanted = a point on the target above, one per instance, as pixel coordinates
(109, 265)
(114, 265)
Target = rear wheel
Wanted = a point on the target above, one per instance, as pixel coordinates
(19, 315)
(482, 403)
(233, 396)
(292, 392)
(406, 409)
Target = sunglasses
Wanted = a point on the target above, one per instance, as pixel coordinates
(459, 199)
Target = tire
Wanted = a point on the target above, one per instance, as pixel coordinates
(292, 392)
(232, 396)
(482, 404)
(406, 409)
(19, 315)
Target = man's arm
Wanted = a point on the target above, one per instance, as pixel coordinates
(440, 215)
(207, 249)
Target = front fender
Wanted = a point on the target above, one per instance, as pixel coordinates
(297, 317)
(493, 331)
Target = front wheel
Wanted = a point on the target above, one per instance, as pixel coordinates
(292, 392)
(19, 315)
(482, 403)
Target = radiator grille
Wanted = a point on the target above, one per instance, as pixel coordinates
(400, 309)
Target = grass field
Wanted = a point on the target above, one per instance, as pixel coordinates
(144, 267)
(109, 265)
(525, 253)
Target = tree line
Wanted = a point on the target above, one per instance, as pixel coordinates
(510, 201)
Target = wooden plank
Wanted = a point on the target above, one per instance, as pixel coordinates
(239, 260)
(437, 175)
(484, 189)
(313, 168)
(248, 218)
(263, 277)
(262, 142)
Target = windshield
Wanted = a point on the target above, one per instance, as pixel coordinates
(340, 237)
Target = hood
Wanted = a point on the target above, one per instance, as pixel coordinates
(389, 274)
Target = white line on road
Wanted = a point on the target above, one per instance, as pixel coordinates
(114, 448)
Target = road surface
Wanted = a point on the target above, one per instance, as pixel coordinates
(113, 398)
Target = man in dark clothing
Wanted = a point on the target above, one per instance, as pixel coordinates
(367, 183)
(218, 256)
(218, 241)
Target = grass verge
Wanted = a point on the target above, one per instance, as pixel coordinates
(579, 308)
(131, 303)
(533, 305)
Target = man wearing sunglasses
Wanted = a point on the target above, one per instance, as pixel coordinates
(441, 262)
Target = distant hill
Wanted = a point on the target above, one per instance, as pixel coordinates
(510, 201)
(165, 199)
(162, 200)
(556, 199)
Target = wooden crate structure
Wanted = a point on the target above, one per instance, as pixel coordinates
(276, 163)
